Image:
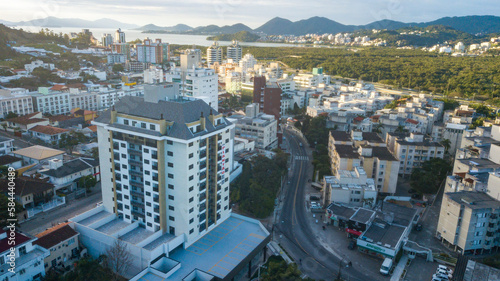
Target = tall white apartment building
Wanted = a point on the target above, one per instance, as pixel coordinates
(153, 75)
(247, 62)
(15, 100)
(200, 83)
(106, 40)
(152, 52)
(53, 103)
(214, 54)
(107, 99)
(190, 58)
(85, 101)
(166, 162)
(120, 36)
(234, 52)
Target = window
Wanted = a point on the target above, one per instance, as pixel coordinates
(171, 208)
(171, 197)
(125, 121)
(191, 155)
(170, 176)
(191, 231)
(191, 210)
(191, 221)
(146, 161)
(191, 188)
(170, 142)
(143, 125)
(190, 144)
(170, 153)
(171, 218)
(191, 178)
(152, 127)
(171, 165)
(191, 167)
(22, 251)
(122, 145)
(146, 151)
(71, 241)
(170, 186)
(191, 199)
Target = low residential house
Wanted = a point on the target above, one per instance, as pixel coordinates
(48, 134)
(66, 121)
(6, 145)
(29, 192)
(90, 131)
(67, 175)
(62, 242)
(88, 115)
(28, 257)
(27, 121)
(37, 154)
(11, 161)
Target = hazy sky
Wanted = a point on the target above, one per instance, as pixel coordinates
(253, 13)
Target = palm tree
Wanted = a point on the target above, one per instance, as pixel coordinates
(377, 128)
(447, 144)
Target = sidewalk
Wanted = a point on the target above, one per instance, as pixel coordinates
(400, 267)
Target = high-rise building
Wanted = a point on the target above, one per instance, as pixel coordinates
(121, 48)
(166, 162)
(152, 52)
(247, 62)
(120, 36)
(214, 54)
(268, 96)
(190, 58)
(106, 40)
(234, 52)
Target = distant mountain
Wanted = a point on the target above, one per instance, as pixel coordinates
(67, 22)
(242, 36)
(175, 28)
(469, 24)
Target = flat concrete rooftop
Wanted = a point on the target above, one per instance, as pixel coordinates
(136, 235)
(112, 226)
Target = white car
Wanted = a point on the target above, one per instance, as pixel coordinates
(443, 272)
(440, 276)
(447, 269)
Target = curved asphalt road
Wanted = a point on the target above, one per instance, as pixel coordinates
(297, 237)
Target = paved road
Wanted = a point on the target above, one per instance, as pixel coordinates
(296, 235)
(42, 221)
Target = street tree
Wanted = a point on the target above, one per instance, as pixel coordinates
(118, 259)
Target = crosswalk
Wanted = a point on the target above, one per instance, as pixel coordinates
(302, 158)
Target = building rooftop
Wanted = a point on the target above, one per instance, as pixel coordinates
(19, 238)
(363, 215)
(38, 152)
(180, 113)
(8, 159)
(71, 167)
(474, 200)
(55, 235)
(340, 135)
(48, 130)
(384, 234)
(340, 210)
(383, 153)
(372, 137)
(396, 214)
(26, 185)
(347, 151)
(479, 163)
(26, 119)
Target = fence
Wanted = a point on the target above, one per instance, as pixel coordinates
(57, 201)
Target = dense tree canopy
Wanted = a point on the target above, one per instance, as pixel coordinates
(428, 178)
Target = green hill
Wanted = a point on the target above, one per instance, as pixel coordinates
(242, 36)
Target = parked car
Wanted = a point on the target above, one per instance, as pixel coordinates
(447, 269)
(440, 276)
(352, 245)
(418, 227)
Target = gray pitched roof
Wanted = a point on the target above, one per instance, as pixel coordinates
(180, 112)
(71, 167)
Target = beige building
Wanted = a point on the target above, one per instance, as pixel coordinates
(62, 242)
(367, 150)
(469, 221)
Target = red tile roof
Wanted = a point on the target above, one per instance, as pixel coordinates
(359, 119)
(59, 87)
(48, 130)
(93, 128)
(27, 185)
(26, 119)
(18, 238)
(55, 235)
(412, 121)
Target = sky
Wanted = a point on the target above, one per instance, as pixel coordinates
(252, 13)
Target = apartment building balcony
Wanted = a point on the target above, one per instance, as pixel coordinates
(135, 173)
(136, 204)
(137, 193)
(135, 161)
(134, 152)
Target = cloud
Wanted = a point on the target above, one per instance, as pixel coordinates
(252, 13)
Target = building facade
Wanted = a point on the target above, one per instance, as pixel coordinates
(214, 54)
(234, 52)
